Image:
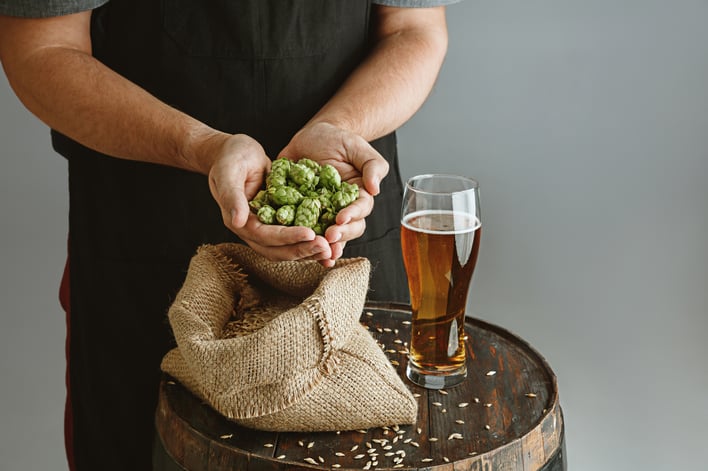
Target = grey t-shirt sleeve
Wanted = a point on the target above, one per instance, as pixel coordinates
(415, 3)
(46, 8)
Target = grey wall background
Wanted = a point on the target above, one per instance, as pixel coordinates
(586, 124)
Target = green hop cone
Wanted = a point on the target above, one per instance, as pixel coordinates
(266, 214)
(319, 228)
(285, 215)
(302, 176)
(281, 165)
(260, 200)
(325, 197)
(346, 196)
(276, 179)
(309, 187)
(278, 175)
(351, 189)
(308, 213)
(329, 178)
(327, 218)
(339, 200)
(311, 164)
(283, 195)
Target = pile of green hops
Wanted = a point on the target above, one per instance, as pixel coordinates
(303, 193)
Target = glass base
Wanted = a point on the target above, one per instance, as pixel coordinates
(436, 379)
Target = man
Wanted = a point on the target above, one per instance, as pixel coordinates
(163, 109)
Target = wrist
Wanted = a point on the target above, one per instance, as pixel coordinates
(200, 148)
(341, 121)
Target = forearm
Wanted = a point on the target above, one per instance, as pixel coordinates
(395, 79)
(72, 92)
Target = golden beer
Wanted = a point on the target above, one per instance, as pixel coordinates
(439, 252)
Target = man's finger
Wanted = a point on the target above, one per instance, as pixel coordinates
(372, 165)
(359, 209)
(316, 249)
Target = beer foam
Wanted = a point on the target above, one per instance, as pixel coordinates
(462, 222)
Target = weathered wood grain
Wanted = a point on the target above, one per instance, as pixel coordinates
(506, 420)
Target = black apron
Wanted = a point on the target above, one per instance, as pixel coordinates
(259, 67)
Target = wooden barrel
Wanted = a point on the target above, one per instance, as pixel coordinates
(504, 416)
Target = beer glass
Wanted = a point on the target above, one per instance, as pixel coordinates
(440, 232)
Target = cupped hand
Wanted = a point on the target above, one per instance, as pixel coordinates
(238, 169)
(356, 161)
(349, 153)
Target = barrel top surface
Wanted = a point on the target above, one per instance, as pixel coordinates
(506, 411)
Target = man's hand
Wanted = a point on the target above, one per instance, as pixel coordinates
(356, 161)
(238, 170)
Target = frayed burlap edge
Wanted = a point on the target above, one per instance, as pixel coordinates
(228, 268)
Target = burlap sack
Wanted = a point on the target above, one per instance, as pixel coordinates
(278, 345)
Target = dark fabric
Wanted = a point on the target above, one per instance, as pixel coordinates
(65, 302)
(260, 67)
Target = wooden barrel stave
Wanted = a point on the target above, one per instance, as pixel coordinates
(518, 403)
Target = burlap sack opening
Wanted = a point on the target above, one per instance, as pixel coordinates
(278, 345)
